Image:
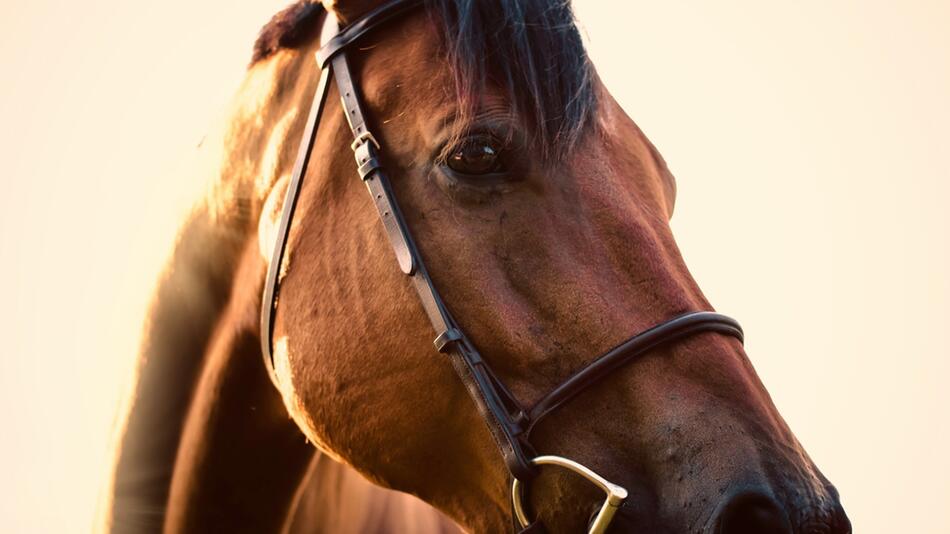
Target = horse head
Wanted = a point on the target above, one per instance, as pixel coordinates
(542, 214)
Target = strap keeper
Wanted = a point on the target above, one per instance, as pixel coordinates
(366, 159)
(369, 167)
(446, 338)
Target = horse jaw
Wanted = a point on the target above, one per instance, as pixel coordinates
(293, 403)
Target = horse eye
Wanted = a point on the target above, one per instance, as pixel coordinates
(476, 157)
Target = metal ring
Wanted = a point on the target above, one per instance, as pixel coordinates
(616, 495)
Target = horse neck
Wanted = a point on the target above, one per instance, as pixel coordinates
(195, 292)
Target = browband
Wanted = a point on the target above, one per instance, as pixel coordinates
(367, 22)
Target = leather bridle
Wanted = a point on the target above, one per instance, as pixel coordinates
(509, 422)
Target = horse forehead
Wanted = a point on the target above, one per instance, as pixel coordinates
(402, 57)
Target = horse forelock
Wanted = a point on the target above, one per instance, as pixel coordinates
(529, 51)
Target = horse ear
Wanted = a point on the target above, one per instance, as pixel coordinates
(347, 11)
(669, 181)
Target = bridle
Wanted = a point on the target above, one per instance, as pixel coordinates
(509, 422)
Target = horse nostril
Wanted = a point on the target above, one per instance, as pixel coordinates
(752, 513)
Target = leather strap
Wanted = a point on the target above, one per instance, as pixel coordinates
(467, 362)
(677, 328)
(272, 280)
(359, 28)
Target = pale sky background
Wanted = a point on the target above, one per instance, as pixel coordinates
(810, 141)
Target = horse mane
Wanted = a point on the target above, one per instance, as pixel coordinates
(529, 50)
(291, 27)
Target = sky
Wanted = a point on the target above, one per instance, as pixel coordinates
(809, 141)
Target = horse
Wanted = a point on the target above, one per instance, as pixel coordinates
(541, 212)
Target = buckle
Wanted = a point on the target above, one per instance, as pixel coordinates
(616, 495)
(362, 138)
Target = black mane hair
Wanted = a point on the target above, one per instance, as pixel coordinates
(530, 50)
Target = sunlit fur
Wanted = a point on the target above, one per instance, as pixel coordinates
(203, 305)
(544, 273)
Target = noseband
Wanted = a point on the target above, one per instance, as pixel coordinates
(509, 422)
